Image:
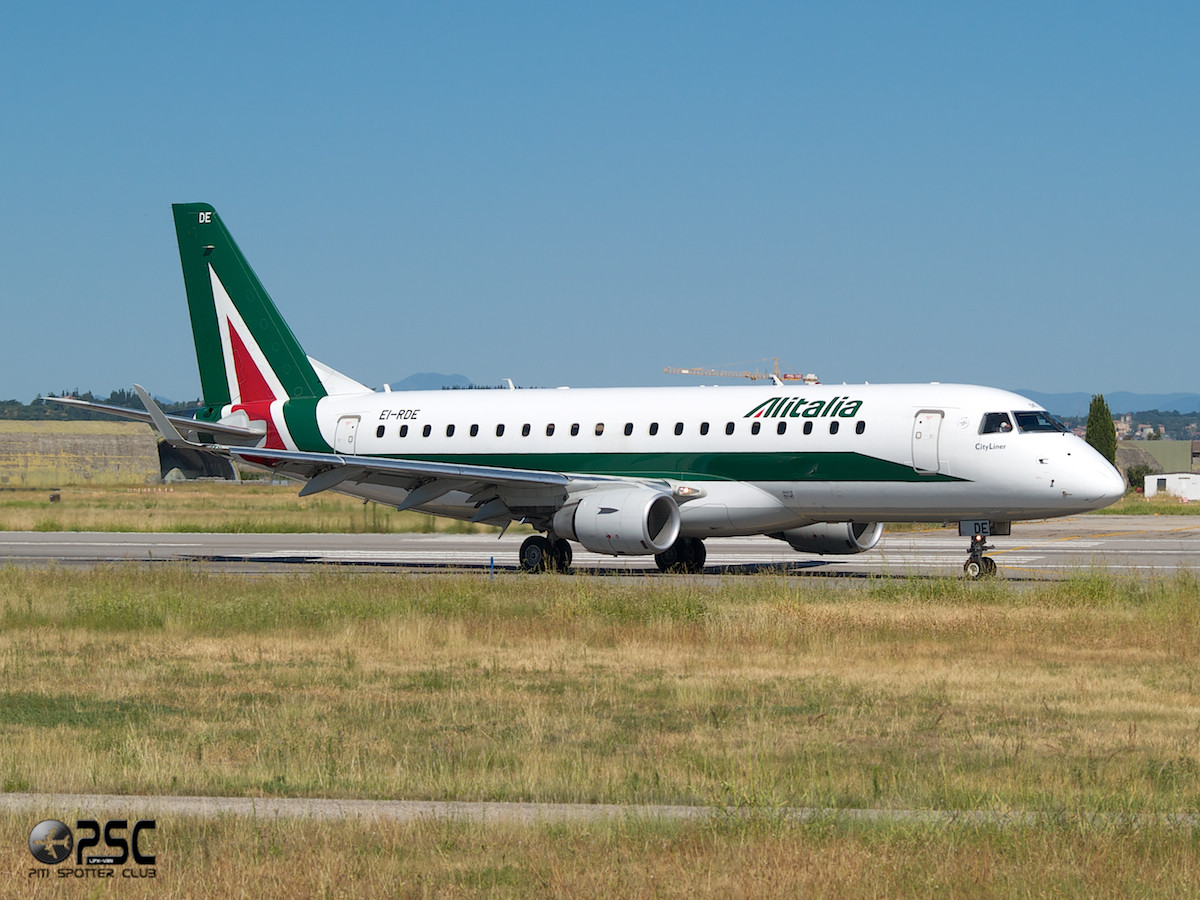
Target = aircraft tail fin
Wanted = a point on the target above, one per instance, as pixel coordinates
(246, 352)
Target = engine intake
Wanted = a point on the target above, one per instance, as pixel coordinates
(833, 538)
(627, 521)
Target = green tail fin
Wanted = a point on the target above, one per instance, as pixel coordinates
(245, 350)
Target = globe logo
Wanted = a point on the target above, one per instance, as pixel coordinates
(50, 842)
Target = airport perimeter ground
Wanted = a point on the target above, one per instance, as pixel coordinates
(1034, 735)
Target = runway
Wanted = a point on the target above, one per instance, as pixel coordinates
(1048, 549)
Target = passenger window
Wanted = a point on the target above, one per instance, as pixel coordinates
(379, 431)
(599, 429)
(833, 427)
(449, 431)
(525, 430)
(426, 430)
(628, 429)
(755, 427)
(499, 431)
(808, 427)
(860, 427)
(729, 428)
(996, 423)
(782, 428)
(403, 431)
(704, 428)
(550, 430)
(474, 430)
(574, 429)
(679, 428)
(654, 428)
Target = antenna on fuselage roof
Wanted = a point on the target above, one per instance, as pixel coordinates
(755, 375)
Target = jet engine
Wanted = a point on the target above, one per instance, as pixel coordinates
(833, 538)
(624, 521)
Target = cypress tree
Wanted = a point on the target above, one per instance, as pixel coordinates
(1101, 432)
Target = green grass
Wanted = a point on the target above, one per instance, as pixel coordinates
(1078, 700)
(930, 693)
(1134, 504)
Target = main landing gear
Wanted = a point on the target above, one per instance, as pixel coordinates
(978, 565)
(687, 554)
(547, 554)
(542, 554)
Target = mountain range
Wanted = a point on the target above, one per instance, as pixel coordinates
(1076, 404)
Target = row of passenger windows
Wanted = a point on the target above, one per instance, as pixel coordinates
(730, 427)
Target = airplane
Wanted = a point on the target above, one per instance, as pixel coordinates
(620, 471)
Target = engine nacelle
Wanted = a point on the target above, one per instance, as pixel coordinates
(833, 538)
(624, 521)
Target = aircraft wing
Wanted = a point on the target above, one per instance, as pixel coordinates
(320, 468)
(499, 494)
(225, 434)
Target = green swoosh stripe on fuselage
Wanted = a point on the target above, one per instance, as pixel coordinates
(851, 467)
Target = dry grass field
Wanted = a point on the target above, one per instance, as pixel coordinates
(243, 858)
(212, 507)
(1072, 699)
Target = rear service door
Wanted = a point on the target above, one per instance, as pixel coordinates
(347, 430)
(927, 427)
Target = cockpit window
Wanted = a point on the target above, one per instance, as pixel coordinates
(1038, 421)
(996, 423)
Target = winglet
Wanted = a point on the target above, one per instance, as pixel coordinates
(169, 432)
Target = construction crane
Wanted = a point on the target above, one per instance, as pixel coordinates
(756, 375)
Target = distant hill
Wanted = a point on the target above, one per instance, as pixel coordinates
(430, 381)
(1119, 402)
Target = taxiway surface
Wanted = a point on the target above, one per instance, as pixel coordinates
(1052, 548)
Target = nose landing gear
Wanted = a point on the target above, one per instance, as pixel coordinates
(978, 565)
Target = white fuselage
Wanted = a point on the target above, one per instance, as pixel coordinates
(819, 453)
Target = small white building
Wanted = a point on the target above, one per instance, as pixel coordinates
(1183, 485)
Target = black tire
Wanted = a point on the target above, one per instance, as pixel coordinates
(536, 554)
(668, 560)
(685, 556)
(989, 566)
(973, 569)
(562, 554)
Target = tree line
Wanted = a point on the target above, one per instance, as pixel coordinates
(43, 409)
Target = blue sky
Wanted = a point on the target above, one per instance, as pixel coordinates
(582, 194)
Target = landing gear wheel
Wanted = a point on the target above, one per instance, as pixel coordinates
(687, 554)
(563, 554)
(536, 554)
(978, 565)
(668, 560)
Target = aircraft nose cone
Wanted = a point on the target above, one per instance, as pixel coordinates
(1104, 484)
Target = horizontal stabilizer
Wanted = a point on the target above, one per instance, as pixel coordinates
(221, 434)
